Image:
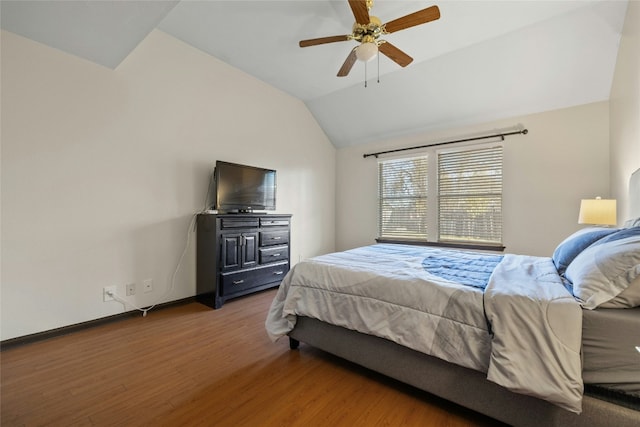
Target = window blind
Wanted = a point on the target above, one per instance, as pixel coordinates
(402, 187)
(470, 195)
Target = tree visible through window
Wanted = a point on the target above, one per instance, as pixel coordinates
(470, 195)
(402, 188)
(468, 206)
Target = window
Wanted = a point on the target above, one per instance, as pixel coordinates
(402, 186)
(470, 196)
(465, 207)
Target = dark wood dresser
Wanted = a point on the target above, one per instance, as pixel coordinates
(238, 254)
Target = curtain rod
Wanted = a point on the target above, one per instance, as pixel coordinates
(501, 135)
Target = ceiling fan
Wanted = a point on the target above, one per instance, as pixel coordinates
(367, 30)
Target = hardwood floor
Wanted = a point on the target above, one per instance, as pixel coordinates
(191, 365)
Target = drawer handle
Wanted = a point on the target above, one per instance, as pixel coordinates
(278, 273)
(275, 255)
(238, 282)
(276, 238)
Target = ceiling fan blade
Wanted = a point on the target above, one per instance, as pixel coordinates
(395, 54)
(348, 64)
(416, 18)
(360, 11)
(323, 40)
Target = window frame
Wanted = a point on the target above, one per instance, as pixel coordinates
(484, 181)
(433, 200)
(403, 218)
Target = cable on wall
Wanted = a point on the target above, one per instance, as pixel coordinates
(172, 283)
(477, 138)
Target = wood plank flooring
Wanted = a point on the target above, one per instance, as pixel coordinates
(191, 365)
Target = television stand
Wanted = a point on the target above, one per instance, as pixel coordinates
(239, 254)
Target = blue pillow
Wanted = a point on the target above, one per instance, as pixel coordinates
(570, 247)
(620, 234)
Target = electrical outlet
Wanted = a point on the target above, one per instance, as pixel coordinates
(105, 293)
(131, 289)
(147, 285)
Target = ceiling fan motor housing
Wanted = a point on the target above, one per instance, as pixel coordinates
(368, 33)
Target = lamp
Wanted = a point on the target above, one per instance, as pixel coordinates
(597, 211)
(366, 51)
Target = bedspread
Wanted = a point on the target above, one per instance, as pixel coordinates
(537, 328)
(385, 290)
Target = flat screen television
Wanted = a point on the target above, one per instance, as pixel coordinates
(241, 188)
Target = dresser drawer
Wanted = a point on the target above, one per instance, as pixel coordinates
(239, 281)
(239, 222)
(271, 238)
(273, 254)
(269, 222)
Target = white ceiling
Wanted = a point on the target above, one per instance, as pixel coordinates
(481, 61)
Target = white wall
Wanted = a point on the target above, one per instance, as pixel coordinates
(563, 158)
(103, 170)
(625, 111)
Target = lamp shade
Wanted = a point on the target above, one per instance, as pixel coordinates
(366, 51)
(598, 212)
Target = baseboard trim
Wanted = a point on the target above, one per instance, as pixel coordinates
(52, 333)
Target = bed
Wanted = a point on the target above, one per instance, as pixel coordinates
(531, 336)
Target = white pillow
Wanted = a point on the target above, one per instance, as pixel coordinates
(606, 268)
(628, 298)
(633, 222)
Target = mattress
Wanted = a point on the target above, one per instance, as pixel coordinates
(611, 349)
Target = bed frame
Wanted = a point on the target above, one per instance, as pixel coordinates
(453, 382)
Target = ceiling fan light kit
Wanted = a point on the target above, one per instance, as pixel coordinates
(367, 31)
(367, 51)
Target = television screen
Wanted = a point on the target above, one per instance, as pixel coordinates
(244, 188)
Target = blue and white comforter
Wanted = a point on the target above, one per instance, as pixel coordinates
(399, 292)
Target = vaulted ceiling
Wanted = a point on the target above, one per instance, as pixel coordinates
(481, 61)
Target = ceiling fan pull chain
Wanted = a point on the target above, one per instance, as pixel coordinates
(365, 74)
(378, 55)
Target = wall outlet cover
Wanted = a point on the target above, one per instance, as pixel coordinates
(105, 293)
(131, 289)
(147, 285)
